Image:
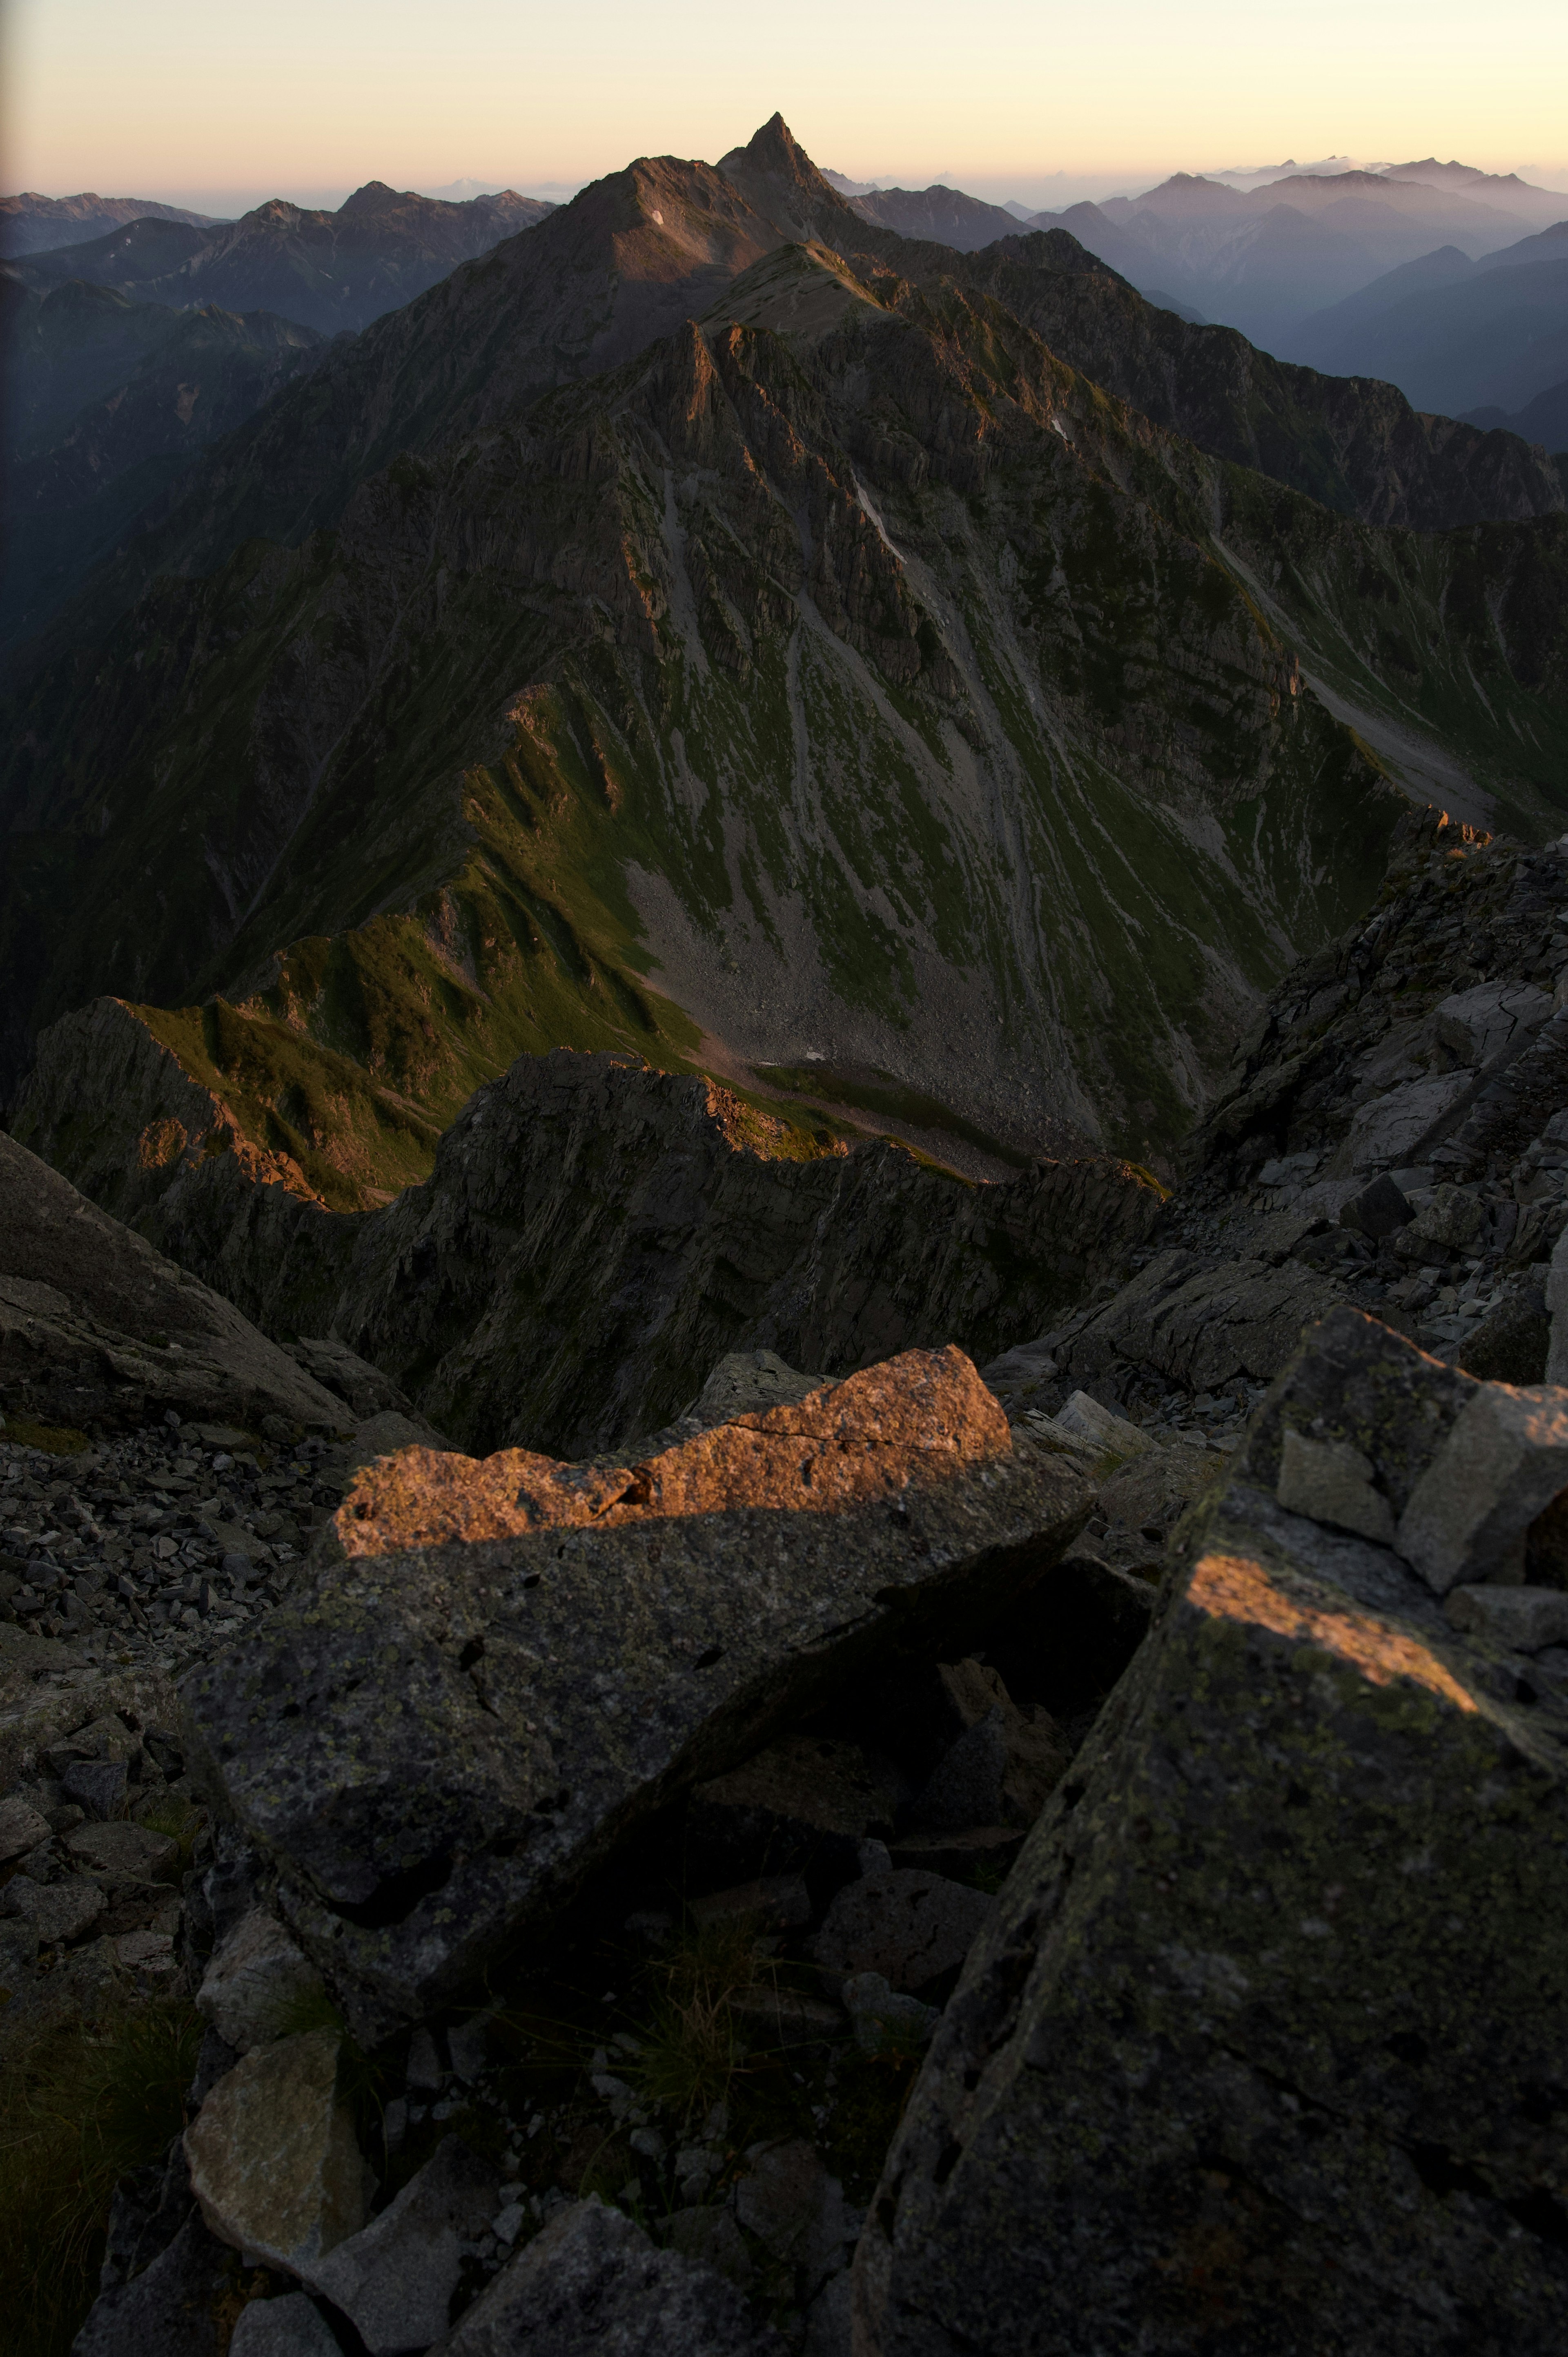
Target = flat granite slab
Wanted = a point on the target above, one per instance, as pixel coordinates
(437, 1744)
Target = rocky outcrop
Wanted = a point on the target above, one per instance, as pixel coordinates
(1390, 1138)
(97, 1328)
(469, 1728)
(1251, 2052)
(596, 1235)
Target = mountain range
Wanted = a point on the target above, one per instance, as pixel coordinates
(125, 355)
(1268, 260)
(32, 225)
(1324, 266)
(916, 687)
(1453, 333)
(324, 270)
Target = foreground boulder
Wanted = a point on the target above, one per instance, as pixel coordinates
(1262, 2046)
(436, 1745)
(95, 1327)
(592, 2285)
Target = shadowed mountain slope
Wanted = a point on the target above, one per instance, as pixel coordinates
(636, 253)
(328, 270)
(179, 380)
(840, 694)
(855, 677)
(33, 224)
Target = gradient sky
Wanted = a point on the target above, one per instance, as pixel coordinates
(184, 99)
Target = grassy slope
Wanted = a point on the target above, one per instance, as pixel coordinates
(317, 738)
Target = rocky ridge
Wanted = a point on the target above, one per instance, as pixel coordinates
(557, 883)
(594, 1237)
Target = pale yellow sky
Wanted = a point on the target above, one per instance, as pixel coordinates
(170, 97)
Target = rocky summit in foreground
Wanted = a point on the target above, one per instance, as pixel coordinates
(1258, 2048)
(861, 1876)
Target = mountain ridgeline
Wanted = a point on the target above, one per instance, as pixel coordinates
(937, 689)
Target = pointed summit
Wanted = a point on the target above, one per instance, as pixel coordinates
(774, 172)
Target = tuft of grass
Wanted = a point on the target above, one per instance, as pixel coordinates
(182, 1821)
(690, 2051)
(52, 1439)
(81, 2107)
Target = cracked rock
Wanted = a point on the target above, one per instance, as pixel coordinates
(592, 2285)
(466, 1729)
(274, 2160)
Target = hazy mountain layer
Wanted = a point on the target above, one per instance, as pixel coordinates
(179, 380)
(33, 224)
(1542, 420)
(1268, 259)
(328, 270)
(945, 215)
(1491, 337)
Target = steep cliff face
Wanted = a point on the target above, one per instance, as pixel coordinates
(596, 1235)
(849, 674)
(1351, 443)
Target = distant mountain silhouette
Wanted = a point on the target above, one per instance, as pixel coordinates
(326, 270)
(32, 225)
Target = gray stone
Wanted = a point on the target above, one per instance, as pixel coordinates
(712, 2239)
(1332, 1481)
(1359, 1382)
(384, 1434)
(1557, 1310)
(77, 1287)
(788, 2201)
(745, 1380)
(1522, 1619)
(914, 1928)
(21, 1828)
(473, 1726)
(395, 2278)
(468, 2045)
(767, 2018)
(96, 1785)
(174, 2308)
(255, 1977)
(1451, 1218)
(776, 1903)
(1100, 1428)
(830, 2317)
(1511, 1343)
(1505, 1461)
(425, 2070)
(1209, 2048)
(1003, 1765)
(966, 1787)
(290, 2327)
(1377, 1210)
(884, 2018)
(274, 2160)
(1201, 1326)
(592, 2285)
(1482, 1023)
(959, 1856)
(1387, 1128)
(364, 1390)
(121, 1847)
(54, 1911)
